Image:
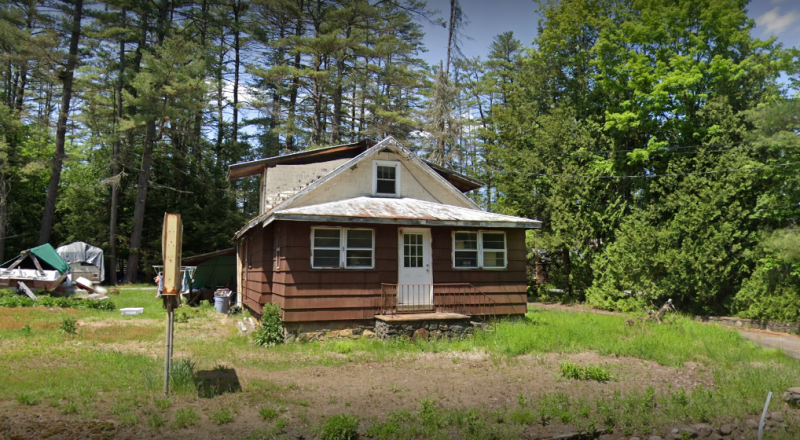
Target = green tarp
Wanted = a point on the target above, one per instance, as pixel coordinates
(47, 254)
(216, 272)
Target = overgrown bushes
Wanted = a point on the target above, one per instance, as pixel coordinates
(270, 332)
(10, 299)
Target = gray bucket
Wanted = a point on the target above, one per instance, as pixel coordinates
(222, 303)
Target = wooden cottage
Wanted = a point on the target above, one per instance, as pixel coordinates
(353, 231)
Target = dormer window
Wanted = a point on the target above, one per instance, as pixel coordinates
(386, 178)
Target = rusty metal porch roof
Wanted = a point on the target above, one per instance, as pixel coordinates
(401, 211)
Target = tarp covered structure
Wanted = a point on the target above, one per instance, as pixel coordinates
(80, 252)
(44, 253)
(214, 269)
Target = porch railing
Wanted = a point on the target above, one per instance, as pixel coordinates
(462, 298)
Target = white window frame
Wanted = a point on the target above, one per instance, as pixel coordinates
(480, 250)
(343, 248)
(386, 163)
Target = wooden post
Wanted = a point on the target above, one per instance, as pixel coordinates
(171, 241)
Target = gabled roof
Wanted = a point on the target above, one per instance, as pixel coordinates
(391, 143)
(402, 211)
(344, 151)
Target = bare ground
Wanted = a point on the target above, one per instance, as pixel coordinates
(371, 390)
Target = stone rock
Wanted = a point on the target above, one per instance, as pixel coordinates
(346, 333)
(436, 335)
(715, 436)
(792, 396)
(368, 333)
(725, 429)
(777, 416)
(635, 438)
(333, 335)
(675, 436)
(420, 334)
(358, 331)
(433, 326)
(687, 431)
(703, 430)
(654, 437)
(750, 423)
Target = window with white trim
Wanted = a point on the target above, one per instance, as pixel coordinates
(336, 248)
(386, 178)
(479, 250)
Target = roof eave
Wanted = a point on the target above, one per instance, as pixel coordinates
(532, 224)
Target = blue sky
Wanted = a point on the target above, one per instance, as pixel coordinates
(779, 18)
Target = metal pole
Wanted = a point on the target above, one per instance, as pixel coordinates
(763, 416)
(168, 353)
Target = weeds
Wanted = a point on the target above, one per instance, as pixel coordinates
(29, 399)
(155, 421)
(185, 417)
(590, 372)
(181, 376)
(340, 427)
(268, 412)
(221, 416)
(69, 326)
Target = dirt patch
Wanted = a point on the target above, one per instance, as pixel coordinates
(373, 389)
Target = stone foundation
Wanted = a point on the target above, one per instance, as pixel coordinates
(320, 331)
(774, 326)
(435, 329)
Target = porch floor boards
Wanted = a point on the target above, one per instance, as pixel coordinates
(414, 317)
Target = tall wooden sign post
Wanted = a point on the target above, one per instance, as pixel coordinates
(171, 241)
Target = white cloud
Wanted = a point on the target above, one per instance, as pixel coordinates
(774, 23)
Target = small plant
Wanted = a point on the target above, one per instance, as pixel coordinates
(186, 417)
(182, 316)
(128, 419)
(270, 332)
(68, 326)
(26, 329)
(29, 399)
(181, 376)
(221, 416)
(590, 372)
(69, 408)
(268, 412)
(162, 402)
(155, 421)
(340, 427)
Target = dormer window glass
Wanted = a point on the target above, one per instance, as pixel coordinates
(386, 178)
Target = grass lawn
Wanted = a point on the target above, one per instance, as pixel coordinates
(553, 372)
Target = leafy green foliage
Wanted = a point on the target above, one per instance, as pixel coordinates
(181, 376)
(68, 326)
(340, 427)
(9, 299)
(270, 332)
(571, 370)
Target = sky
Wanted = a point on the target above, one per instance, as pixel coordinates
(487, 18)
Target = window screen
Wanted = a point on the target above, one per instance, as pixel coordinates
(326, 248)
(359, 248)
(465, 249)
(494, 249)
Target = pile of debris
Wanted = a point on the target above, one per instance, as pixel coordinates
(75, 269)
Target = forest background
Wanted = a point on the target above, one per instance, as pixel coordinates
(658, 141)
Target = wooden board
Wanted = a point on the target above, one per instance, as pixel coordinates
(171, 241)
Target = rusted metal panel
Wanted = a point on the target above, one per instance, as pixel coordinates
(402, 212)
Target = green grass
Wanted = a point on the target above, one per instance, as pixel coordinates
(185, 417)
(221, 416)
(571, 370)
(340, 427)
(39, 363)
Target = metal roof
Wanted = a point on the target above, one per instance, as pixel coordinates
(402, 211)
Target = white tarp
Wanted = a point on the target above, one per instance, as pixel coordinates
(80, 252)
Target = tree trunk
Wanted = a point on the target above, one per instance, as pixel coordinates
(61, 127)
(236, 11)
(132, 273)
(115, 184)
(298, 32)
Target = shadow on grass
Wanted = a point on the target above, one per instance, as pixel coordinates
(216, 382)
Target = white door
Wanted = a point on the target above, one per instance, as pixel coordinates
(414, 272)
